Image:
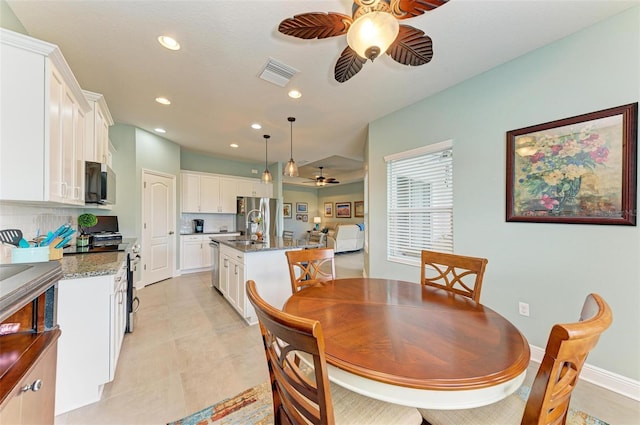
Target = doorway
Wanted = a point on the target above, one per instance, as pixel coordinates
(158, 224)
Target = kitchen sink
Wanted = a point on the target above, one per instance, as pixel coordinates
(246, 242)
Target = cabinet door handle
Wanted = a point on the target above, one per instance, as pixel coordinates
(37, 384)
(171, 232)
(236, 270)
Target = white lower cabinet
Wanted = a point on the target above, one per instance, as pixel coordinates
(232, 277)
(195, 253)
(92, 317)
(267, 268)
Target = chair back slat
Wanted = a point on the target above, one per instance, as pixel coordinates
(310, 267)
(287, 235)
(456, 273)
(299, 396)
(565, 354)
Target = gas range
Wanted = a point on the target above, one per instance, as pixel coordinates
(70, 250)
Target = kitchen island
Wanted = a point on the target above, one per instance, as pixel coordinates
(261, 261)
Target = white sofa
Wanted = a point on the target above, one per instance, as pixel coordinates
(346, 237)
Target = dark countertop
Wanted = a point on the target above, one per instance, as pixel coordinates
(271, 244)
(20, 283)
(95, 264)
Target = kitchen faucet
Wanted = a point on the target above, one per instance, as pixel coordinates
(246, 222)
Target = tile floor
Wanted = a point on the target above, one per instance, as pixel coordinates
(190, 349)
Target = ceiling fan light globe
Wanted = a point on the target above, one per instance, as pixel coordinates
(372, 34)
(291, 169)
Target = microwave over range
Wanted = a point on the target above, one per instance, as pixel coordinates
(99, 184)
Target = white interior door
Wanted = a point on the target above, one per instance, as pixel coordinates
(158, 224)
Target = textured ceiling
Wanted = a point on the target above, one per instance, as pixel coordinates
(213, 80)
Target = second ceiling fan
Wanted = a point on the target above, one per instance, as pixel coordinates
(372, 29)
(321, 180)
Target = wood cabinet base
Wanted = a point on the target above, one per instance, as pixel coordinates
(32, 399)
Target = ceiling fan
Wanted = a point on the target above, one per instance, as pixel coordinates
(372, 29)
(321, 180)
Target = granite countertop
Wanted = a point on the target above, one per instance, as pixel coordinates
(209, 233)
(271, 244)
(94, 264)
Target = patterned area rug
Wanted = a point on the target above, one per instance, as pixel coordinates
(253, 406)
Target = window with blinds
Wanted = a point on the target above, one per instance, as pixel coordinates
(419, 202)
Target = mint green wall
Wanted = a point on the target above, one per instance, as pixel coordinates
(196, 161)
(315, 198)
(550, 266)
(342, 193)
(123, 139)
(293, 194)
(136, 150)
(9, 20)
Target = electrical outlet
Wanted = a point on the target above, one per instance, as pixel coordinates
(523, 309)
(254, 171)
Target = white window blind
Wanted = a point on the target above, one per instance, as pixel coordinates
(420, 202)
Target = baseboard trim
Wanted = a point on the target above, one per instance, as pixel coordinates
(600, 377)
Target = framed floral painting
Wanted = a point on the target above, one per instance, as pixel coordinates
(575, 170)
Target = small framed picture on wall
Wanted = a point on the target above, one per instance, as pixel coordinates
(299, 217)
(305, 218)
(358, 207)
(328, 209)
(343, 209)
(286, 210)
(301, 208)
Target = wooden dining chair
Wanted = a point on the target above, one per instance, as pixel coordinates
(308, 267)
(287, 235)
(456, 273)
(548, 402)
(306, 396)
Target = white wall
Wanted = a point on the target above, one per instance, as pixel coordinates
(550, 266)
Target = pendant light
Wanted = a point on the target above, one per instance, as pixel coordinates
(266, 175)
(291, 169)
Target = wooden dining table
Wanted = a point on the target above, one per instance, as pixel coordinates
(413, 345)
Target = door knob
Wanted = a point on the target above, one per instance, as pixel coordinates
(171, 232)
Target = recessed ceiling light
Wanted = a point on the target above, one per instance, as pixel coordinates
(160, 130)
(295, 94)
(163, 100)
(234, 145)
(169, 42)
(256, 126)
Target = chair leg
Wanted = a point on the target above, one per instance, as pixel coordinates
(425, 422)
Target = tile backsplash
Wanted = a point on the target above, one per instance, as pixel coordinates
(31, 218)
(212, 222)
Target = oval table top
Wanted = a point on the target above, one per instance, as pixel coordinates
(415, 345)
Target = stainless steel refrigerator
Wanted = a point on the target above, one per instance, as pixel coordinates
(265, 208)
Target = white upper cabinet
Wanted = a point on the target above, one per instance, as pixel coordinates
(208, 193)
(254, 188)
(97, 126)
(42, 110)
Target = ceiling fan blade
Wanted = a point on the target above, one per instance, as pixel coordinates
(404, 9)
(316, 25)
(348, 65)
(411, 47)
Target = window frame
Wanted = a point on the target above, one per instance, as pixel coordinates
(420, 216)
